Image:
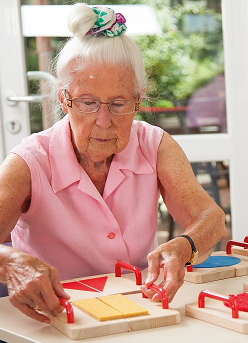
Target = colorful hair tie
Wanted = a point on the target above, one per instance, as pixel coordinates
(109, 23)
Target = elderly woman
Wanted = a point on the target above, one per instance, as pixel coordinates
(83, 194)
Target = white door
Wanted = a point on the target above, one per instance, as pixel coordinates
(14, 115)
(232, 145)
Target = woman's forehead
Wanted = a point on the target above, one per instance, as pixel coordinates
(103, 70)
(103, 77)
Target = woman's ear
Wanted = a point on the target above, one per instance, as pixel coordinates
(61, 97)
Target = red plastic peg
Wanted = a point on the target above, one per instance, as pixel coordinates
(130, 267)
(69, 310)
(231, 243)
(217, 296)
(162, 292)
(189, 268)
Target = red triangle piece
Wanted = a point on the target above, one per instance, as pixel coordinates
(78, 286)
(95, 283)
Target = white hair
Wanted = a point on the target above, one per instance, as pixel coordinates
(82, 48)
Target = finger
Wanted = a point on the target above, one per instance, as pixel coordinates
(33, 300)
(51, 290)
(172, 292)
(174, 278)
(153, 268)
(19, 297)
(148, 292)
(30, 312)
(42, 304)
(54, 291)
(50, 299)
(56, 284)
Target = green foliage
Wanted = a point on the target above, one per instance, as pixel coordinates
(179, 61)
(168, 63)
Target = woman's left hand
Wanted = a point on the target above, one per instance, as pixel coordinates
(169, 264)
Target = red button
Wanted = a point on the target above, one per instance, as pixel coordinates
(111, 235)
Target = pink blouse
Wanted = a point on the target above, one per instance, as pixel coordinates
(69, 225)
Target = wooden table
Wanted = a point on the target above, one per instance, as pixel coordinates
(17, 328)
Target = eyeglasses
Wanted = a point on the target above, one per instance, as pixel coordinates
(92, 105)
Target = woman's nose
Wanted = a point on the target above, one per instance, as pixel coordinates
(103, 118)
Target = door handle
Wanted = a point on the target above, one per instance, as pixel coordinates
(12, 98)
(27, 98)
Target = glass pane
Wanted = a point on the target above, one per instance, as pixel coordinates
(186, 68)
(214, 178)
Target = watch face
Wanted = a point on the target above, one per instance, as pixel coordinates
(194, 256)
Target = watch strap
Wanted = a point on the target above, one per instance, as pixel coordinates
(194, 251)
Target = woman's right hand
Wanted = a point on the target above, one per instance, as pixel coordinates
(33, 286)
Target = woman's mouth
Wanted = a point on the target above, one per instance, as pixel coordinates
(103, 140)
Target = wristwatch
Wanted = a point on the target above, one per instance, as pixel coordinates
(194, 255)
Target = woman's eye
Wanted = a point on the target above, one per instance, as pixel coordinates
(118, 103)
(88, 102)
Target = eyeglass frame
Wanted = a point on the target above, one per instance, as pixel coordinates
(69, 104)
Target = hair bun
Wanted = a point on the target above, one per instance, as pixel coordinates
(81, 18)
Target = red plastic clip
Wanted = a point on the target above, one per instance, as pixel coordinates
(246, 240)
(130, 267)
(69, 310)
(163, 293)
(231, 243)
(189, 268)
(224, 298)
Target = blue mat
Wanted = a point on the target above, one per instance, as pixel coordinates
(218, 261)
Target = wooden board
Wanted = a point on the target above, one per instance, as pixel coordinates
(245, 287)
(87, 327)
(203, 275)
(239, 251)
(101, 285)
(217, 313)
(241, 269)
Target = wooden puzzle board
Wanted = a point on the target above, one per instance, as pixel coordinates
(100, 285)
(215, 312)
(87, 327)
(203, 275)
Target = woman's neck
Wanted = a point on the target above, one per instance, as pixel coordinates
(97, 171)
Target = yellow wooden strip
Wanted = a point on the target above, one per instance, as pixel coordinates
(126, 306)
(98, 309)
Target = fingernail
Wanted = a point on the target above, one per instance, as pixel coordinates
(156, 297)
(148, 279)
